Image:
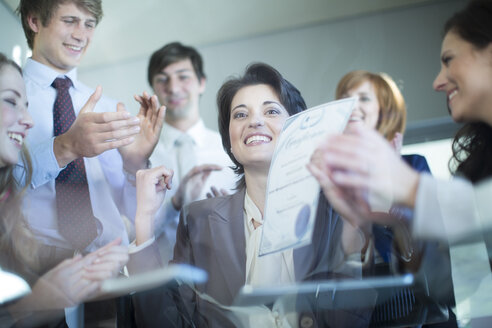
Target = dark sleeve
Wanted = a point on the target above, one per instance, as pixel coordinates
(427, 254)
(328, 262)
(182, 249)
(6, 319)
(145, 260)
(169, 305)
(413, 250)
(417, 162)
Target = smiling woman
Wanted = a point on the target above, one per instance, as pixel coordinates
(14, 124)
(453, 211)
(221, 235)
(380, 106)
(66, 284)
(287, 99)
(257, 118)
(16, 121)
(466, 69)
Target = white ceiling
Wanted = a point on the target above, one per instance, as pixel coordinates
(133, 28)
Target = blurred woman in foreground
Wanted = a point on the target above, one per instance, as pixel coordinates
(364, 161)
(350, 166)
(72, 281)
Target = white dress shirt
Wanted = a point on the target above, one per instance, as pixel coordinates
(110, 193)
(445, 209)
(452, 210)
(207, 150)
(269, 270)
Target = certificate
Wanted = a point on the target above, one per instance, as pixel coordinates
(292, 192)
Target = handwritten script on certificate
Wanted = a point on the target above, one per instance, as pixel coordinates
(292, 192)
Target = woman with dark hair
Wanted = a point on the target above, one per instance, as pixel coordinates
(472, 146)
(349, 164)
(221, 235)
(466, 78)
(256, 74)
(72, 281)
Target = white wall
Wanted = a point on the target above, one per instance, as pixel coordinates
(404, 43)
(11, 34)
(437, 153)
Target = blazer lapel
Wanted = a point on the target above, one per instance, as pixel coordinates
(316, 258)
(227, 232)
(303, 259)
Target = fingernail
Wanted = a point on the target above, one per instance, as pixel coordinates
(135, 120)
(136, 128)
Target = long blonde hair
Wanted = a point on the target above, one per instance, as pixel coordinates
(17, 243)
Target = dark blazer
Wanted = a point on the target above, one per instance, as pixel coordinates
(211, 236)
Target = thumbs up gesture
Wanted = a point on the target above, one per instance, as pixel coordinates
(93, 133)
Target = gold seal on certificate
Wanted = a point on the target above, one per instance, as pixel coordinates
(292, 192)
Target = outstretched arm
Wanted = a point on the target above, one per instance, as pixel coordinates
(191, 185)
(363, 173)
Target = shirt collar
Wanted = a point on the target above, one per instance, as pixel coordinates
(170, 134)
(197, 132)
(44, 75)
(251, 211)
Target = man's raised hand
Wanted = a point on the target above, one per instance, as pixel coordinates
(94, 133)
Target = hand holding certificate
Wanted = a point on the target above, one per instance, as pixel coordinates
(292, 192)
